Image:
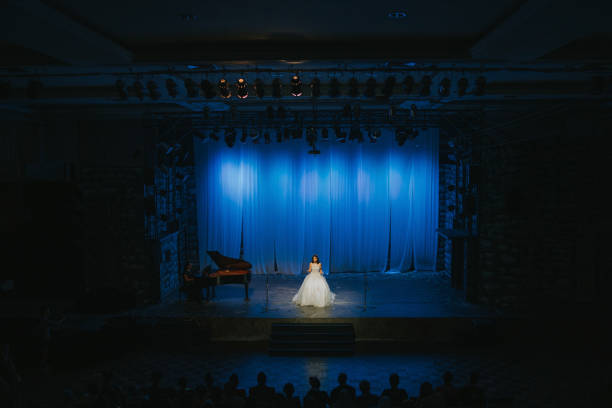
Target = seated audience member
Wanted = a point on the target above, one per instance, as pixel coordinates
(342, 386)
(261, 395)
(214, 392)
(473, 394)
(287, 399)
(430, 399)
(396, 395)
(232, 395)
(384, 402)
(315, 398)
(448, 390)
(366, 399)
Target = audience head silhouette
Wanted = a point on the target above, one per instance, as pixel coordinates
(342, 379)
(261, 378)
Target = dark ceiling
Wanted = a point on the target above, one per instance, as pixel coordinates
(95, 32)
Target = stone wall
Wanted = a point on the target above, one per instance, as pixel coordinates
(169, 266)
(445, 215)
(536, 232)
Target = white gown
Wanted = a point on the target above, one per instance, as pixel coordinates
(314, 290)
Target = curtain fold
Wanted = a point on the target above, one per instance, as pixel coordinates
(360, 207)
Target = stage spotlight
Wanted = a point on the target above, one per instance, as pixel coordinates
(480, 86)
(224, 90)
(153, 90)
(353, 88)
(370, 90)
(191, 87)
(355, 133)
(208, 89)
(259, 88)
(413, 111)
(254, 136)
(213, 135)
(340, 135)
(346, 110)
(388, 87)
(412, 133)
(408, 84)
(374, 135)
(444, 89)
(315, 87)
(171, 87)
(401, 135)
(230, 137)
(296, 86)
(138, 90)
(334, 88)
(242, 88)
(425, 86)
(119, 85)
(324, 134)
(311, 135)
(243, 136)
(462, 86)
(276, 88)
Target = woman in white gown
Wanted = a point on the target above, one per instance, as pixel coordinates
(314, 290)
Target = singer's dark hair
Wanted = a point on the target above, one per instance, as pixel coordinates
(318, 260)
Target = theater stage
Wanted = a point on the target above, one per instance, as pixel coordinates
(413, 306)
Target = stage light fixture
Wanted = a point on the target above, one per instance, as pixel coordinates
(334, 88)
(370, 90)
(324, 134)
(408, 84)
(224, 90)
(242, 88)
(254, 136)
(296, 86)
(462, 86)
(171, 87)
(119, 85)
(340, 135)
(374, 135)
(480, 86)
(153, 90)
(388, 87)
(208, 89)
(259, 88)
(425, 86)
(243, 136)
(353, 88)
(191, 87)
(413, 111)
(315, 87)
(276, 88)
(230, 137)
(444, 88)
(138, 90)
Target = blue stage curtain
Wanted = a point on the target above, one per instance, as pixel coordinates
(360, 207)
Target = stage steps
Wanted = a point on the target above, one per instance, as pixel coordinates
(311, 339)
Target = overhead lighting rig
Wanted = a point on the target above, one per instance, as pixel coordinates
(296, 86)
(242, 88)
(224, 90)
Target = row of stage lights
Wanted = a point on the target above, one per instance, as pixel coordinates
(241, 87)
(341, 135)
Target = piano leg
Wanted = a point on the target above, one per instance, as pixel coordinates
(246, 289)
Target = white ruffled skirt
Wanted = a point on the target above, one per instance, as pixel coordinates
(314, 292)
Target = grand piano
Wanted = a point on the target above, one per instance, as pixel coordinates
(229, 271)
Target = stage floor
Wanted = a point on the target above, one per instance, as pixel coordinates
(412, 294)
